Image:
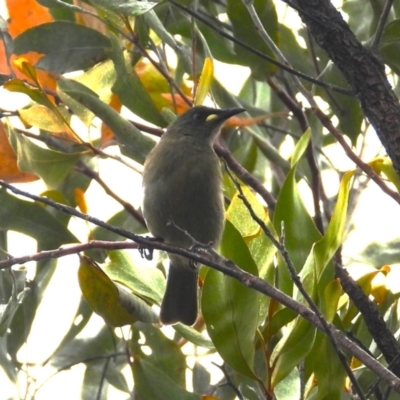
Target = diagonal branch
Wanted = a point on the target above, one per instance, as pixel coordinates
(362, 69)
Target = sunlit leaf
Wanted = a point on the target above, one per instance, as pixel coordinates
(133, 142)
(116, 305)
(204, 85)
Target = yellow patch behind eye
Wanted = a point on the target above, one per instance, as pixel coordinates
(211, 117)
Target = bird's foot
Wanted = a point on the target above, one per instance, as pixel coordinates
(147, 252)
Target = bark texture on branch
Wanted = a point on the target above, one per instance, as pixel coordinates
(362, 69)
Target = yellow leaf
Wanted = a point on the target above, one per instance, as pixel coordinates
(26, 68)
(205, 81)
(117, 306)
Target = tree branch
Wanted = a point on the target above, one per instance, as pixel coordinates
(362, 69)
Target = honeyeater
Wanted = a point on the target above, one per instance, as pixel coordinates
(183, 193)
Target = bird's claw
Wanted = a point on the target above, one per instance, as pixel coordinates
(146, 252)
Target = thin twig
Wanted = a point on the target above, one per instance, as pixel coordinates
(229, 381)
(327, 123)
(245, 176)
(89, 172)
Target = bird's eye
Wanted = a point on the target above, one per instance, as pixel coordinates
(198, 116)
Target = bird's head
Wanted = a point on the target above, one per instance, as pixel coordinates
(201, 122)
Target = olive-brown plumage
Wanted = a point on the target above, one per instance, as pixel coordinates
(182, 184)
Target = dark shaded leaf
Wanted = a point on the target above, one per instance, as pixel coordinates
(67, 46)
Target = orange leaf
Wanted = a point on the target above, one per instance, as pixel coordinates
(106, 133)
(9, 170)
(181, 105)
(25, 14)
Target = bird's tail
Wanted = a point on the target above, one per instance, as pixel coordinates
(180, 298)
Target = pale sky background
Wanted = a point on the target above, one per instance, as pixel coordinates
(376, 218)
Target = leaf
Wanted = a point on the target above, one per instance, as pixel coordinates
(148, 283)
(385, 165)
(8, 310)
(17, 85)
(133, 143)
(9, 170)
(130, 89)
(330, 376)
(193, 336)
(67, 46)
(151, 383)
(43, 118)
(261, 248)
(204, 85)
(116, 305)
(85, 349)
(98, 79)
(166, 354)
(230, 309)
(292, 349)
(244, 29)
(50, 165)
(346, 108)
(300, 231)
(125, 7)
(240, 217)
(300, 148)
(327, 246)
(33, 220)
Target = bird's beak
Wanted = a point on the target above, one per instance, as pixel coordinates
(223, 115)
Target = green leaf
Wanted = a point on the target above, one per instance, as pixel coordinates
(67, 46)
(288, 388)
(130, 89)
(389, 46)
(19, 86)
(300, 148)
(327, 246)
(33, 220)
(244, 29)
(292, 349)
(115, 304)
(300, 231)
(152, 383)
(329, 371)
(85, 349)
(148, 283)
(230, 309)
(8, 310)
(166, 354)
(100, 80)
(193, 336)
(125, 7)
(51, 165)
(346, 108)
(133, 143)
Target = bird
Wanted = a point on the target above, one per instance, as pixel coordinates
(183, 200)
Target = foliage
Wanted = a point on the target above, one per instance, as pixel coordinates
(97, 81)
